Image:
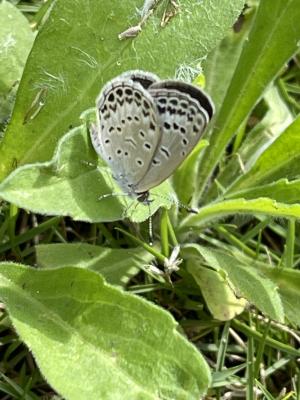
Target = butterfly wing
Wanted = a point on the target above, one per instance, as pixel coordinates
(144, 78)
(127, 131)
(184, 111)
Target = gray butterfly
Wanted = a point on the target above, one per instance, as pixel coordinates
(146, 127)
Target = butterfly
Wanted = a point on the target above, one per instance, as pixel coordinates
(146, 127)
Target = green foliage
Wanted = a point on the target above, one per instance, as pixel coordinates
(238, 260)
(272, 40)
(93, 331)
(16, 39)
(117, 266)
(83, 37)
(74, 171)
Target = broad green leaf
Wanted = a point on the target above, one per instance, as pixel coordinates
(16, 39)
(78, 50)
(217, 291)
(273, 39)
(117, 266)
(259, 206)
(250, 283)
(282, 191)
(288, 282)
(71, 184)
(276, 120)
(280, 160)
(101, 342)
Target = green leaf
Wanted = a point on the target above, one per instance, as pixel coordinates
(276, 120)
(280, 160)
(16, 39)
(273, 39)
(251, 283)
(101, 342)
(217, 291)
(259, 206)
(219, 67)
(286, 279)
(77, 50)
(184, 179)
(117, 266)
(282, 191)
(288, 282)
(74, 172)
(227, 376)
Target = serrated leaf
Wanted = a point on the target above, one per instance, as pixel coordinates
(78, 50)
(251, 283)
(117, 266)
(101, 342)
(75, 173)
(218, 291)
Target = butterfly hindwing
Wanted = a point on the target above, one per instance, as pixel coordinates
(183, 114)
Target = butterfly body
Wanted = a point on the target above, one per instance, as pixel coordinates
(146, 127)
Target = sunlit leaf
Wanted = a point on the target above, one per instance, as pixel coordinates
(94, 341)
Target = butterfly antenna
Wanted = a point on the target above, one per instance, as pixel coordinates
(150, 225)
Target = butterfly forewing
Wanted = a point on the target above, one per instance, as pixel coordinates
(128, 131)
(183, 114)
